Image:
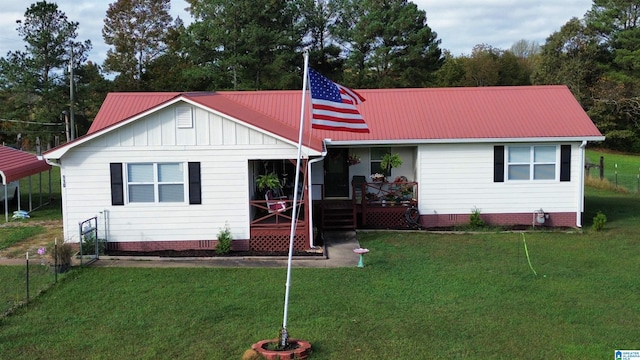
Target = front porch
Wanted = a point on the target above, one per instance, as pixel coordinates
(271, 229)
(339, 194)
(373, 205)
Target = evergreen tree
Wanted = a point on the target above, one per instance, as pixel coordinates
(246, 44)
(388, 43)
(136, 29)
(34, 79)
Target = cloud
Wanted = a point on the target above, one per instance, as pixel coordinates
(500, 23)
(460, 24)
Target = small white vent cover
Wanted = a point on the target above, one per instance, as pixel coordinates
(184, 116)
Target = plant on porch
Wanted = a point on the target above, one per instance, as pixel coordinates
(354, 159)
(268, 181)
(390, 161)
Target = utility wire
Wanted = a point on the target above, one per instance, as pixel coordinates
(30, 122)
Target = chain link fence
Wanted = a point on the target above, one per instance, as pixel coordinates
(21, 283)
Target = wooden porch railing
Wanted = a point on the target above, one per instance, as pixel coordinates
(383, 204)
(270, 231)
(265, 218)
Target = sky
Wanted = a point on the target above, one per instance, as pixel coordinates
(460, 24)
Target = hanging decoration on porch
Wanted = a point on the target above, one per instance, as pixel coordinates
(377, 177)
(354, 159)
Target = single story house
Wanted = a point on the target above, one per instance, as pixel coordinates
(169, 170)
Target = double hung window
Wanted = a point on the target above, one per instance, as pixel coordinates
(377, 153)
(155, 182)
(532, 162)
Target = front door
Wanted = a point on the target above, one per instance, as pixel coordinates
(336, 173)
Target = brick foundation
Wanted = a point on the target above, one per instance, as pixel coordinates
(561, 219)
(269, 240)
(177, 245)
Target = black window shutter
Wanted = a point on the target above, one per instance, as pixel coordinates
(565, 163)
(117, 191)
(195, 193)
(498, 163)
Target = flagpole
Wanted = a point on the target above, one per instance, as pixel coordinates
(284, 335)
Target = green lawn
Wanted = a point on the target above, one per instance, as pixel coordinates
(12, 235)
(420, 296)
(628, 168)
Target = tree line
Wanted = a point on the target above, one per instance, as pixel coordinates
(257, 45)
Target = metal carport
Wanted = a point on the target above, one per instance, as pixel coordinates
(15, 165)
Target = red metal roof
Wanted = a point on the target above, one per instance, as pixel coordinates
(419, 115)
(16, 164)
(447, 113)
(121, 106)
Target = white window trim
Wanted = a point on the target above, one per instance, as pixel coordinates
(156, 194)
(532, 164)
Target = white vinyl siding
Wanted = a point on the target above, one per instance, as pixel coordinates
(156, 139)
(455, 178)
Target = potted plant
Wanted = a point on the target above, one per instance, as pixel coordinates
(354, 159)
(268, 181)
(390, 161)
(371, 196)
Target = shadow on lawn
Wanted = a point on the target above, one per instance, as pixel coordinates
(616, 208)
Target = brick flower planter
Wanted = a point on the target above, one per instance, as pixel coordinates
(300, 352)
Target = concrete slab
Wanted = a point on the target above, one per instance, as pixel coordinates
(338, 252)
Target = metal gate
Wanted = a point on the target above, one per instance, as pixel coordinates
(90, 244)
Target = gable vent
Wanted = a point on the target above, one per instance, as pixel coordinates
(184, 117)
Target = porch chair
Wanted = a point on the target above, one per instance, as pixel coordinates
(274, 204)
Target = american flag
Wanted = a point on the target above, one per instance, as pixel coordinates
(333, 106)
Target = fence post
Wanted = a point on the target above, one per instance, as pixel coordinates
(601, 167)
(27, 277)
(55, 259)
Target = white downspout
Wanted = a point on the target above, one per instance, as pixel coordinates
(580, 201)
(310, 191)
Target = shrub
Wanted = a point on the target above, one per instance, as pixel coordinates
(475, 221)
(224, 240)
(89, 245)
(598, 221)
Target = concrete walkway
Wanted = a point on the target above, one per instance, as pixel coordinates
(338, 252)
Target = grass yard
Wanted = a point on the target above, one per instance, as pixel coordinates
(628, 169)
(10, 236)
(420, 296)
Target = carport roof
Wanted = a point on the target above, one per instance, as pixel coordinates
(17, 164)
